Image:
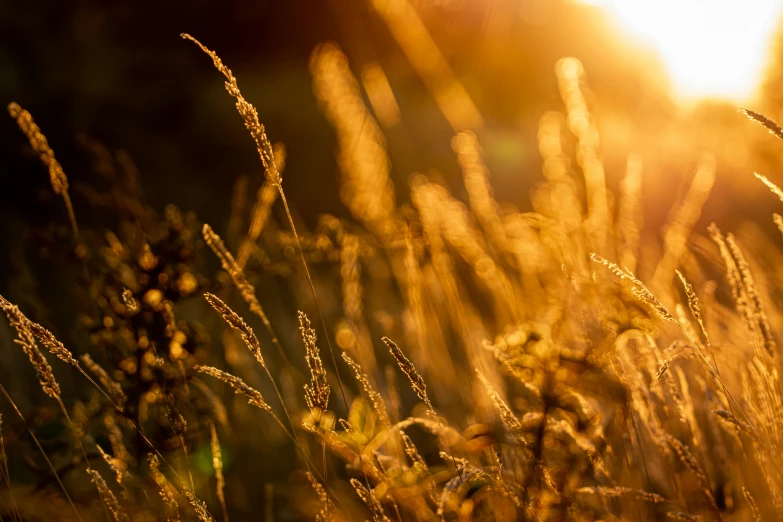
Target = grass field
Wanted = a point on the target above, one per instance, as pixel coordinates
(440, 354)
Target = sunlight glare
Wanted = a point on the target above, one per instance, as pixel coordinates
(712, 48)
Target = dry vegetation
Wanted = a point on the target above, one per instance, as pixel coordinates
(530, 374)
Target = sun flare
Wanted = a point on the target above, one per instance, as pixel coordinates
(712, 48)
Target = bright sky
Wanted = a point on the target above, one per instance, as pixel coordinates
(712, 48)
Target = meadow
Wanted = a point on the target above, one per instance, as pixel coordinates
(439, 355)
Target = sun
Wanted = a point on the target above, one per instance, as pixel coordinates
(712, 48)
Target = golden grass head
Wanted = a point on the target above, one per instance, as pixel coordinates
(254, 397)
(765, 122)
(639, 289)
(234, 270)
(729, 418)
(771, 186)
(54, 346)
(754, 508)
(217, 464)
(115, 464)
(317, 392)
(417, 382)
(26, 339)
(107, 496)
(509, 419)
(198, 505)
(166, 490)
(237, 323)
(622, 492)
(685, 456)
(326, 504)
(368, 497)
(41, 146)
(693, 304)
(112, 387)
(375, 398)
(248, 113)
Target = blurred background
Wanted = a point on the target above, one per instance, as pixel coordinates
(664, 82)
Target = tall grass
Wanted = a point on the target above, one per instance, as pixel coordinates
(547, 380)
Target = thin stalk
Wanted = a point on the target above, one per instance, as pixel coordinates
(720, 380)
(71, 216)
(315, 295)
(321, 317)
(326, 473)
(81, 449)
(7, 475)
(187, 462)
(306, 459)
(5, 509)
(40, 448)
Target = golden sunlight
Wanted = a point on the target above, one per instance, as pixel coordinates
(712, 48)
